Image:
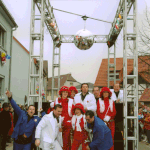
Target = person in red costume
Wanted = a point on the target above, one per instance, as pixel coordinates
(67, 104)
(50, 108)
(106, 110)
(79, 126)
(147, 126)
(73, 91)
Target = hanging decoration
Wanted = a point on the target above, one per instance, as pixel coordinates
(116, 30)
(43, 93)
(84, 38)
(4, 57)
(37, 91)
(52, 25)
(37, 88)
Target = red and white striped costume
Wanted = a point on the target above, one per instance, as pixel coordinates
(106, 111)
(79, 126)
(80, 134)
(66, 126)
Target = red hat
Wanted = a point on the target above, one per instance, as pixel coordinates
(105, 89)
(64, 88)
(78, 105)
(73, 88)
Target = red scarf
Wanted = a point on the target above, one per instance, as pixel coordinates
(106, 99)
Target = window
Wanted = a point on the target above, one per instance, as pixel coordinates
(71, 83)
(2, 37)
(117, 76)
(1, 88)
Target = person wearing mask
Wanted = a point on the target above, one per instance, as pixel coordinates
(96, 92)
(117, 94)
(67, 104)
(106, 110)
(102, 138)
(48, 132)
(5, 125)
(73, 91)
(25, 126)
(86, 98)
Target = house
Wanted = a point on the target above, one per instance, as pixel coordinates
(7, 26)
(145, 97)
(91, 85)
(143, 73)
(101, 79)
(20, 72)
(65, 79)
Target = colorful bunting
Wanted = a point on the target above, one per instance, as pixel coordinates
(8, 57)
(120, 16)
(116, 27)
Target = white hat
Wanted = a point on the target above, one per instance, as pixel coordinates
(52, 104)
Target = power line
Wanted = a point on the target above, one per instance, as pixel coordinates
(82, 15)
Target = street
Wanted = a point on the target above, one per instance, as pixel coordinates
(142, 146)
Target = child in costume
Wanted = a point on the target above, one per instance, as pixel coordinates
(79, 126)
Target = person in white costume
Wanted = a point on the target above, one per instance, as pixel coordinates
(117, 94)
(86, 98)
(48, 132)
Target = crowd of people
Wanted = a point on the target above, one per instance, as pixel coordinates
(73, 121)
(144, 124)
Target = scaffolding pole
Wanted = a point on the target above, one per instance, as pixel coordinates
(128, 99)
(56, 65)
(111, 73)
(40, 38)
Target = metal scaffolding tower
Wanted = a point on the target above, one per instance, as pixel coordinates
(55, 67)
(111, 75)
(123, 15)
(121, 18)
(36, 37)
(132, 38)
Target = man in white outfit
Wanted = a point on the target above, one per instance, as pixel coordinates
(86, 98)
(48, 132)
(117, 94)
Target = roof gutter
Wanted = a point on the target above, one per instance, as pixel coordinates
(8, 13)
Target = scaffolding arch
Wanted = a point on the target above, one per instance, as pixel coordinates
(120, 22)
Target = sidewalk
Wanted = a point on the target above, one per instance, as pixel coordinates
(142, 146)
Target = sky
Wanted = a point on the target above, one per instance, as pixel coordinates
(83, 65)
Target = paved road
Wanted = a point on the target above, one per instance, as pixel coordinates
(142, 146)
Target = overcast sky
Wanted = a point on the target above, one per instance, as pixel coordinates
(83, 65)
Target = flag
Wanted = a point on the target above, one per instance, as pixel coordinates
(8, 57)
(116, 27)
(120, 16)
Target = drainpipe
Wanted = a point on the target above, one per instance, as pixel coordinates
(10, 62)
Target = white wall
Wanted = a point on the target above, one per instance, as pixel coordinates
(19, 73)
